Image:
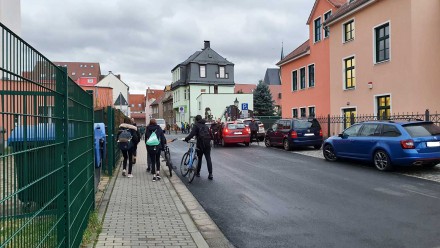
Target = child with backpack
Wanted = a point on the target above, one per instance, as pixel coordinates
(156, 143)
(127, 139)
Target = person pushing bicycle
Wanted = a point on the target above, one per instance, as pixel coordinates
(204, 137)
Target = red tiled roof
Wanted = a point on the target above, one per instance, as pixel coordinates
(346, 9)
(154, 93)
(134, 100)
(138, 115)
(336, 3)
(302, 49)
(246, 88)
(81, 69)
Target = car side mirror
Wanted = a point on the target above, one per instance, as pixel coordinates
(341, 135)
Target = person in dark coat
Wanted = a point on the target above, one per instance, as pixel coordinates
(204, 146)
(128, 155)
(154, 151)
(253, 126)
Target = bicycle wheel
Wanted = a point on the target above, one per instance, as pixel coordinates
(168, 161)
(193, 170)
(184, 164)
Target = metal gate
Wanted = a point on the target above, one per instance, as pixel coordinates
(46, 158)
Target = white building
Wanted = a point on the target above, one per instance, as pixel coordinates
(120, 91)
(217, 104)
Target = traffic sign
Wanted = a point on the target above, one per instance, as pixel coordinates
(244, 106)
(181, 110)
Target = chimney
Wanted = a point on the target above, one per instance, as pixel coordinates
(207, 44)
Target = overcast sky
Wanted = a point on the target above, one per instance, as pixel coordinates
(144, 39)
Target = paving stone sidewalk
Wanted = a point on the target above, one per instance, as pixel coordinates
(143, 213)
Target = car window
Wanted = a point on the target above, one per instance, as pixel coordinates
(236, 126)
(280, 125)
(352, 131)
(390, 131)
(422, 129)
(370, 129)
(306, 124)
(287, 125)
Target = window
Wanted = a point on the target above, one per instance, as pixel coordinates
(295, 113)
(327, 28)
(382, 35)
(80, 65)
(91, 66)
(352, 131)
(311, 75)
(73, 73)
(215, 89)
(279, 95)
(200, 105)
(349, 115)
(202, 90)
(318, 29)
(311, 111)
(90, 74)
(383, 107)
(202, 71)
(83, 74)
(390, 131)
(294, 80)
(90, 80)
(222, 72)
(349, 31)
(350, 73)
(85, 65)
(303, 112)
(302, 74)
(371, 129)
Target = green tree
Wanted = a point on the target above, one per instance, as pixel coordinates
(263, 102)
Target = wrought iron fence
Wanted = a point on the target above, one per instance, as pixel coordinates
(46, 158)
(333, 125)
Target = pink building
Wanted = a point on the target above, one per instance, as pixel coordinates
(305, 72)
(384, 57)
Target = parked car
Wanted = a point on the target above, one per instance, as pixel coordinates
(261, 132)
(291, 133)
(387, 143)
(235, 132)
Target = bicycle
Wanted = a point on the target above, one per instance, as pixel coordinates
(188, 165)
(167, 157)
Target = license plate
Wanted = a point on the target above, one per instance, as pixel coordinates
(309, 134)
(238, 133)
(433, 144)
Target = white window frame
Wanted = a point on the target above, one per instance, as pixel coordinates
(374, 43)
(291, 82)
(314, 75)
(297, 112)
(314, 35)
(343, 31)
(305, 78)
(323, 17)
(204, 71)
(311, 106)
(220, 71)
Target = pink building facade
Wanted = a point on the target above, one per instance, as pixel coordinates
(384, 57)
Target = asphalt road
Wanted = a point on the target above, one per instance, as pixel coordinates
(266, 197)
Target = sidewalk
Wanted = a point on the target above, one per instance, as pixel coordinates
(143, 213)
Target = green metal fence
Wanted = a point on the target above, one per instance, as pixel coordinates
(112, 118)
(46, 154)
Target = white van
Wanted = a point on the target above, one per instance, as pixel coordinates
(161, 123)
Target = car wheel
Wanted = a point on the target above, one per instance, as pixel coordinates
(246, 143)
(286, 145)
(329, 153)
(267, 142)
(317, 147)
(382, 161)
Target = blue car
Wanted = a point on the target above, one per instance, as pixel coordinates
(387, 143)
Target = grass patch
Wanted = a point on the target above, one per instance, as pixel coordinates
(94, 227)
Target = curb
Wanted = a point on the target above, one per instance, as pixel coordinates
(194, 213)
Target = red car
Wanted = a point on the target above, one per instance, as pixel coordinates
(235, 132)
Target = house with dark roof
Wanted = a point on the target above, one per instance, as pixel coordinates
(384, 57)
(272, 76)
(305, 72)
(204, 72)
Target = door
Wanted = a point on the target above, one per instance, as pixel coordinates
(368, 137)
(343, 145)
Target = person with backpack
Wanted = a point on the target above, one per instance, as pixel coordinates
(127, 139)
(156, 143)
(204, 137)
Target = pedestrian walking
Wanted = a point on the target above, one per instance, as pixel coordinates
(182, 125)
(135, 145)
(168, 128)
(204, 137)
(156, 143)
(253, 126)
(127, 139)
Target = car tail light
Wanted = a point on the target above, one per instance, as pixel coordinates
(407, 144)
(320, 133)
(225, 131)
(247, 130)
(294, 134)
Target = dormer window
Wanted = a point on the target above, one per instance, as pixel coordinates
(317, 28)
(202, 71)
(327, 28)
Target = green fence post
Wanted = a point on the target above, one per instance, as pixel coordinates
(111, 140)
